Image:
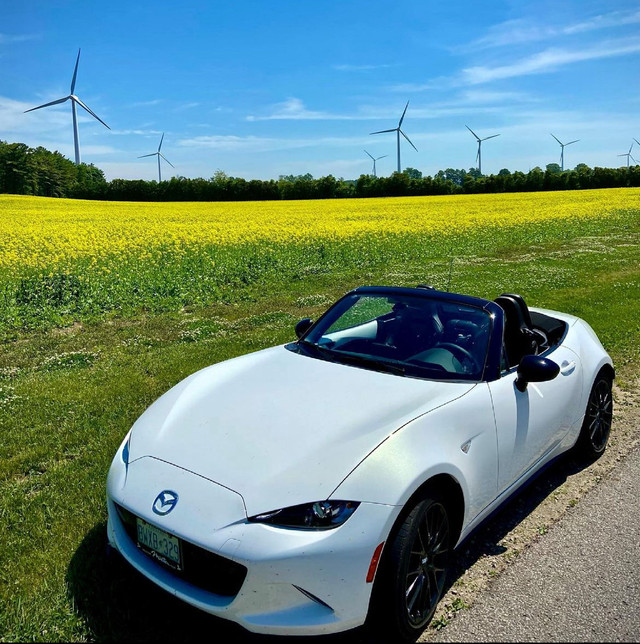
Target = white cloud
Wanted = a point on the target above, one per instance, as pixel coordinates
(14, 120)
(545, 61)
(155, 101)
(8, 39)
(137, 132)
(186, 106)
(99, 150)
(265, 144)
(520, 31)
(613, 19)
(359, 68)
(294, 109)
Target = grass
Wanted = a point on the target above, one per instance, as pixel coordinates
(62, 260)
(68, 395)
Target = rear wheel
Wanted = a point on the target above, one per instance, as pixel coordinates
(414, 570)
(597, 419)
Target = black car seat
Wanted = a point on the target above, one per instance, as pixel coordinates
(413, 330)
(539, 334)
(519, 338)
(524, 309)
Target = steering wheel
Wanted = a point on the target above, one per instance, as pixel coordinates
(460, 353)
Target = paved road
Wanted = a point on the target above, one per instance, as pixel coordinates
(581, 583)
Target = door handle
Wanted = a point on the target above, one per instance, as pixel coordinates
(567, 367)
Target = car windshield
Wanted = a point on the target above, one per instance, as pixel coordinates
(404, 334)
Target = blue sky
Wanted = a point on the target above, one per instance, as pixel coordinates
(263, 88)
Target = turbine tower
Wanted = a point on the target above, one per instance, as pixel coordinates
(74, 100)
(628, 154)
(562, 146)
(374, 161)
(158, 154)
(398, 132)
(479, 155)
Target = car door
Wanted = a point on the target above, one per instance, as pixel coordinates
(531, 423)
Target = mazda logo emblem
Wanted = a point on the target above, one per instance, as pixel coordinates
(165, 502)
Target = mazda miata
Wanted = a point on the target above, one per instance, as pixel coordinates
(323, 484)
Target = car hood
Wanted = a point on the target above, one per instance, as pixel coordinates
(281, 428)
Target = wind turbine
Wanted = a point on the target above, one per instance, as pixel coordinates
(628, 154)
(374, 161)
(562, 145)
(398, 132)
(158, 154)
(74, 99)
(479, 155)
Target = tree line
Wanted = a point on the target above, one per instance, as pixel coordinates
(40, 172)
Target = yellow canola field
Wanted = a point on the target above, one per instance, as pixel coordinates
(42, 232)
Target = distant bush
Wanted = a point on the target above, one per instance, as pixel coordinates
(28, 171)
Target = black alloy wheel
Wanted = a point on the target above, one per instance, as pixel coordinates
(597, 419)
(415, 569)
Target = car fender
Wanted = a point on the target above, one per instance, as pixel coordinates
(582, 339)
(457, 439)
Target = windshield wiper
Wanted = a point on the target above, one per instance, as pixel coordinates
(375, 363)
(353, 358)
(318, 350)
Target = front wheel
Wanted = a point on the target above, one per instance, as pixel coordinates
(414, 571)
(597, 419)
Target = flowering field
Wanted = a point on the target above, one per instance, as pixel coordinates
(221, 280)
(62, 259)
(45, 233)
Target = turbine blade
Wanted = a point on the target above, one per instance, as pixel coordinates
(368, 154)
(403, 113)
(60, 100)
(384, 156)
(570, 142)
(95, 116)
(472, 132)
(162, 139)
(493, 136)
(636, 140)
(622, 155)
(148, 155)
(630, 148)
(633, 159)
(75, 73)
(556, 138)
(167, 160)
(408, 139)
(477, 155)
(383, 131)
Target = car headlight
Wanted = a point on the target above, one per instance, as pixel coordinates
(320, 515)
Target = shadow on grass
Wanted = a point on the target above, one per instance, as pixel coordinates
(119, 604)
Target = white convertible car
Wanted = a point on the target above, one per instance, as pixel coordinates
(316, 486)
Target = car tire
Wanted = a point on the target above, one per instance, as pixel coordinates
(596, 426)
(413, 572)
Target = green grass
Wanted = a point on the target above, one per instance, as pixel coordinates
(68, 395)
(198, 276)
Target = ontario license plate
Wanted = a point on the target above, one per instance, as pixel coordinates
(159, 544)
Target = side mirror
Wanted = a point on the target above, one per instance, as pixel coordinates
(303, 326)
(535, 369)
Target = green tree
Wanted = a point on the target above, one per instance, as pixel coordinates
(412, 173)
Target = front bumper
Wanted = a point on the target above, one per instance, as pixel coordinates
(297, 582)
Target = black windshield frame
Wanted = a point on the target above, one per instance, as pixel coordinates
(489, 370)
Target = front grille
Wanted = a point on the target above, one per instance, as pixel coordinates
(201, 568)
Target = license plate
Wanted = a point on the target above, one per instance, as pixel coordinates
(159, 544)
